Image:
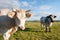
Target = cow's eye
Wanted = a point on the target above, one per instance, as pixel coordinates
(28, 15)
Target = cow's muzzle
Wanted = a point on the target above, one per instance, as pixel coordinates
(21, 28)
(54, 16)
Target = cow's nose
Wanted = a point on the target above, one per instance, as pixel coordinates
(54, 16)
(21, 28)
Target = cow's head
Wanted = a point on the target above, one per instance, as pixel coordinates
(52, 16)
(20, 17)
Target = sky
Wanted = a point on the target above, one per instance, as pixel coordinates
(38, 8)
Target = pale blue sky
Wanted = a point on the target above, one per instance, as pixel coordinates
(38, 7)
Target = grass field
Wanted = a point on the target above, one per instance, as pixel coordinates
(33, 32)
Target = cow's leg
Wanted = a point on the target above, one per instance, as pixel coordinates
(41, 26)
(46, 28)
(49, 29)
(6, 36)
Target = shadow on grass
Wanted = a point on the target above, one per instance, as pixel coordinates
(32, 30)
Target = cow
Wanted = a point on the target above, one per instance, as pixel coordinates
(13, 20)
(46, 22)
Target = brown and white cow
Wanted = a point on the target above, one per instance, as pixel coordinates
(13, 20)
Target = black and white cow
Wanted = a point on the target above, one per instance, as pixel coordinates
(46, 22)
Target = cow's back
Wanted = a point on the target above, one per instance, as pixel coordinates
(4, 12)
(42, 19)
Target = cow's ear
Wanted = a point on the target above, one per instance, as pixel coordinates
(28, 15)
(11, 14)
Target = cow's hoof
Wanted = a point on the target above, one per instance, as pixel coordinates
(49, 31)
(46, 31)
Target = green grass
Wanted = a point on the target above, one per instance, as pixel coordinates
(33, 32)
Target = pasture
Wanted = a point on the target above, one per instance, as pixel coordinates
(33, 32)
